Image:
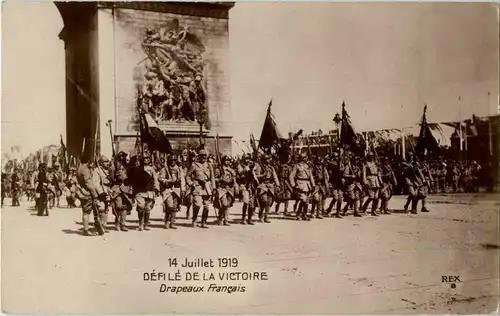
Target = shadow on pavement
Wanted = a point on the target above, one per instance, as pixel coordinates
(73, 232)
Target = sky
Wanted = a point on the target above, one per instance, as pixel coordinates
(384, 59)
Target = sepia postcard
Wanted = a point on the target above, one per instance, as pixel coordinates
(250, 158)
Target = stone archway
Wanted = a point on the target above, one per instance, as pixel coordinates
(101, 43)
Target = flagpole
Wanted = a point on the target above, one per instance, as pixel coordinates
(460, 126)
(403, 144)
(490, 138)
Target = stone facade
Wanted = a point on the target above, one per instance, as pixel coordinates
(107, 50)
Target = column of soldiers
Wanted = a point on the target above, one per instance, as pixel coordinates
(210, 187)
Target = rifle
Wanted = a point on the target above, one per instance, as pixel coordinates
(97, 219)
(108, 124)
(254, 176)
(217, 155)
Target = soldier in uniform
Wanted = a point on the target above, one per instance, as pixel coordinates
(287, 191)
(425, 184)
(101, 175)
(387, 187)
(372, 181)
(411, 177)
(58, 178)
(246, 181)
(302, 180)
(188, 198)
(267, 184)
(227, 190)
(172, 188)
(42, 183)
(352, 175)
(52, 187)
(16, 184)
(71, 183)
(145, 185)
(476, 176)
(202, 181)
(335, 174)
(86, 193)
(121, 192)
(3, 179)
(441, 174)
(321, 190)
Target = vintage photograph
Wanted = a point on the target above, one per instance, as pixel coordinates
(250, 158)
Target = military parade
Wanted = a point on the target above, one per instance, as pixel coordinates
(249, 158)
(308, 186)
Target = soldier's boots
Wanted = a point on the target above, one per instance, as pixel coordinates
(356, 211)
(195, 215)
(204, 217)
(123, 220)
(172, 221)
(104, 221)
(146, 221)
(319, 211)
(141, 220)
(86, 230)
(117, 223)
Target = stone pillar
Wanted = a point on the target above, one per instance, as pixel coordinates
(106, 64)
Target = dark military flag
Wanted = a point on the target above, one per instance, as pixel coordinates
(153, 136)
(348, 137)
(426, 140)
(270, 135)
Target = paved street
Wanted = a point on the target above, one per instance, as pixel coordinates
(389, 264)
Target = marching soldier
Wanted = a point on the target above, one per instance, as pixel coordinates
(441, 174)
(321, 189)
(227, 189)
(3, 179)
(372, 182)
(286, 192)
(187, 200)
(387, 186)
(87, 194)
(411, 178)
(425, 184)
(42, 183)
(58, 178)
(201, 178)
(52, 187)
(71, 183)
(16, 184)
(246, 181)
(121, 192)
(302, 180)
(415, 182)
(336, 177)
(102, 182)
(172, 188)
(145, 185)
(352, 175)
(267, 184)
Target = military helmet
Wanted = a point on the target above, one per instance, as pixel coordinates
(55, 164)
(202, 152)
(226, 158)
(171, 158)
(103, 159)
(122, 154)
(197, 78)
